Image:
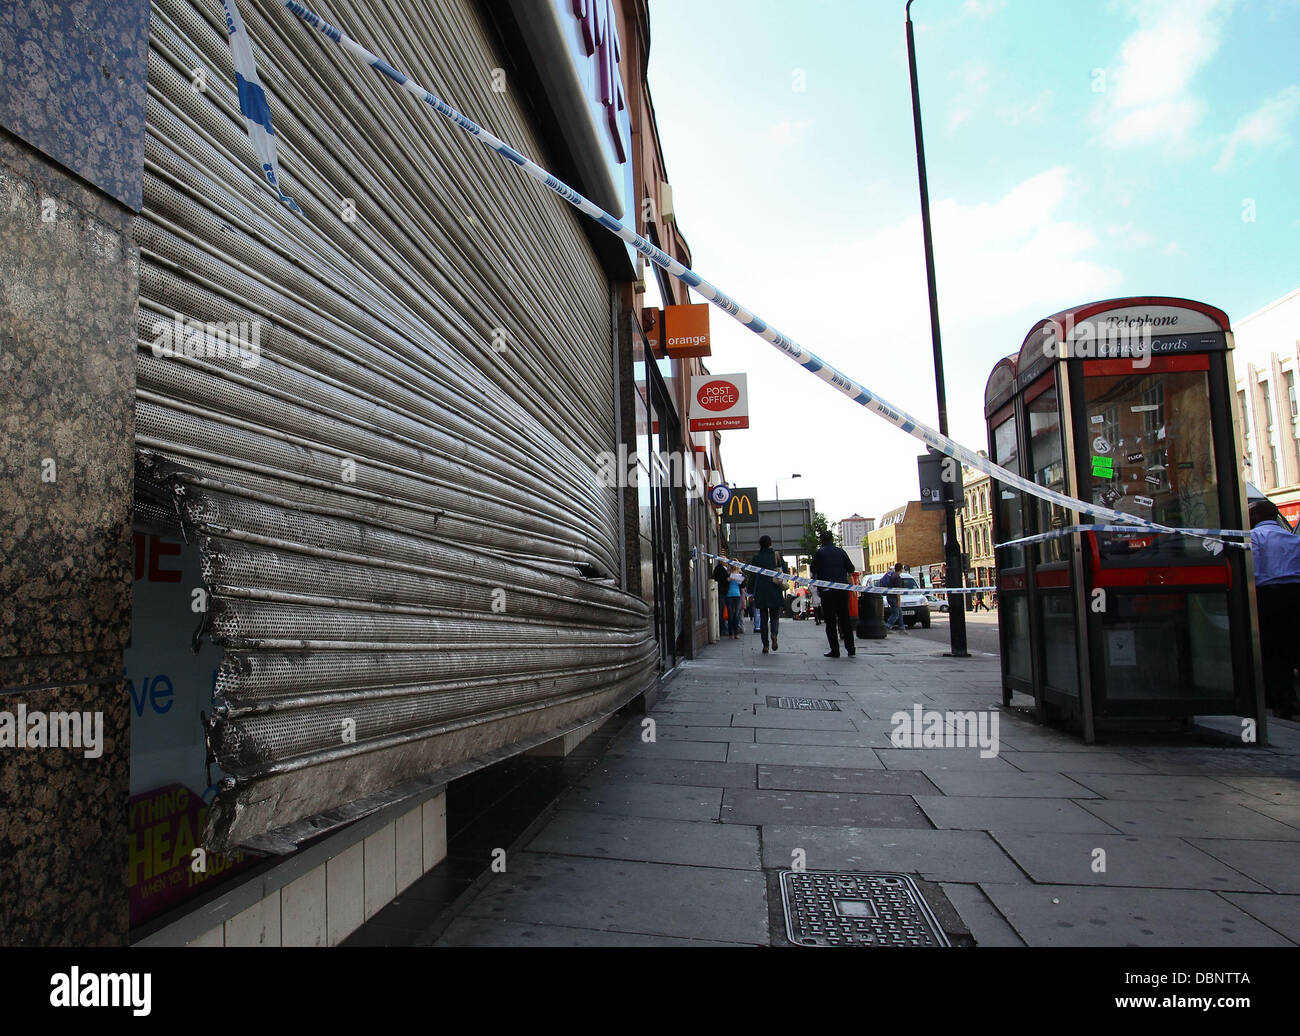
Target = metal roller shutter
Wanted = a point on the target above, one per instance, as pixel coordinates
(414, 427)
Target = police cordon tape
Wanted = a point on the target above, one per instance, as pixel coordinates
(810, 362)
(1210, 537)
(856, 588)
(252, 102)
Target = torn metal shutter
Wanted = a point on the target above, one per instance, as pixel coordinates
(409, 432)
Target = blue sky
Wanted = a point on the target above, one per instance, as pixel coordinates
(1077, 150)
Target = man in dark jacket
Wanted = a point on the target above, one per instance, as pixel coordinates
(831, 564)
(767, 595)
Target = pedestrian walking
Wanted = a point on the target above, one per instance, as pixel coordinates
(832, 565)
(768, 598)
(1277, 597)
(894, 617)
(735, 580)
(979, 602)
(722, 577)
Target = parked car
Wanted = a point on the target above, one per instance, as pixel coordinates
(916, 606)
(938, 601)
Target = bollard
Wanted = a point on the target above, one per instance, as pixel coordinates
(871, 617)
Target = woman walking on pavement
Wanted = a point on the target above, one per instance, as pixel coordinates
(767, 595)
(734, 582)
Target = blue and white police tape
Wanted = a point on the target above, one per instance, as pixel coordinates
(856, 588)
(1214, 539)
(855, 391)
(252, 102)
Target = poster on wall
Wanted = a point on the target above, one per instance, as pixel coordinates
(171, 686)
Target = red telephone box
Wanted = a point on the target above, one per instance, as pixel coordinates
(1127, 404)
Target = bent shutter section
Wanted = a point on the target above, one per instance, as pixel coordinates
(392, 479)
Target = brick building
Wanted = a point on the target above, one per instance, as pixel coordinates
(908, 534)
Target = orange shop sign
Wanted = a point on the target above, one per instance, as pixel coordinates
(686, 331)
(719, 402)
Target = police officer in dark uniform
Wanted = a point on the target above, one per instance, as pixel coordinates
(832, 565)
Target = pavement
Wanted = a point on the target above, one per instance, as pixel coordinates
(1187, 839)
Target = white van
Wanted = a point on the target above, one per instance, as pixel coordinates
(916, 606)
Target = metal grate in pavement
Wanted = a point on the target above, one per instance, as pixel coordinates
(844, 908)
(806, 704)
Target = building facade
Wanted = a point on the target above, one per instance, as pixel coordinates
(909, 534)
(976, 529)
(852, 531)
(1265, 363)
(362, 447)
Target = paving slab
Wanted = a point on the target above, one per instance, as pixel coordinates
(794, 719)
(621, 896)
(650, 840)
(1284, 790)
(1072, 915)
(694, 772)
(710, 751)
(973, 813)
(805, 755)
(1009, 784)
(820, 809)
(1144, 862)
(478, 931)
(967, 856)
(987, 927)
(942, 759)
(1097, 761)
(1286, 814)
(1281, 913)
(829, 738)
(1275, 865)
(1153, 787)
(628, 798)
(1211, 761)
(1189, 819)
(692, 732)
(854, 781)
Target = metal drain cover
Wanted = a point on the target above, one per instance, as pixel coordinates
(807, 704)
(842, 908)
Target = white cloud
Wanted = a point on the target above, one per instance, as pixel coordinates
(1150, 99)
(983, 8)
(1268, 124)
(1130, 235)
(973, 80)
(862, 305)
(785, 134)
(1175, 251)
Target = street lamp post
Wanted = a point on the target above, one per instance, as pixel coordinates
(952, 548)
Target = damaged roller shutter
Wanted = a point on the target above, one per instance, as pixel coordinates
(379, 422)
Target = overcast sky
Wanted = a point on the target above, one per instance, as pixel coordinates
(1077, 150)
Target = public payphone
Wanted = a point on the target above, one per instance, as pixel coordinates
(1127, 404)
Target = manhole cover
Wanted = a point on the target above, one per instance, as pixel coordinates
(840, 908)
(807, 704)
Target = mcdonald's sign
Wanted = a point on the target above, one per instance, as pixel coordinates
(743, 508)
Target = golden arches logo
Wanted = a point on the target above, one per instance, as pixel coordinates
(740, 504)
